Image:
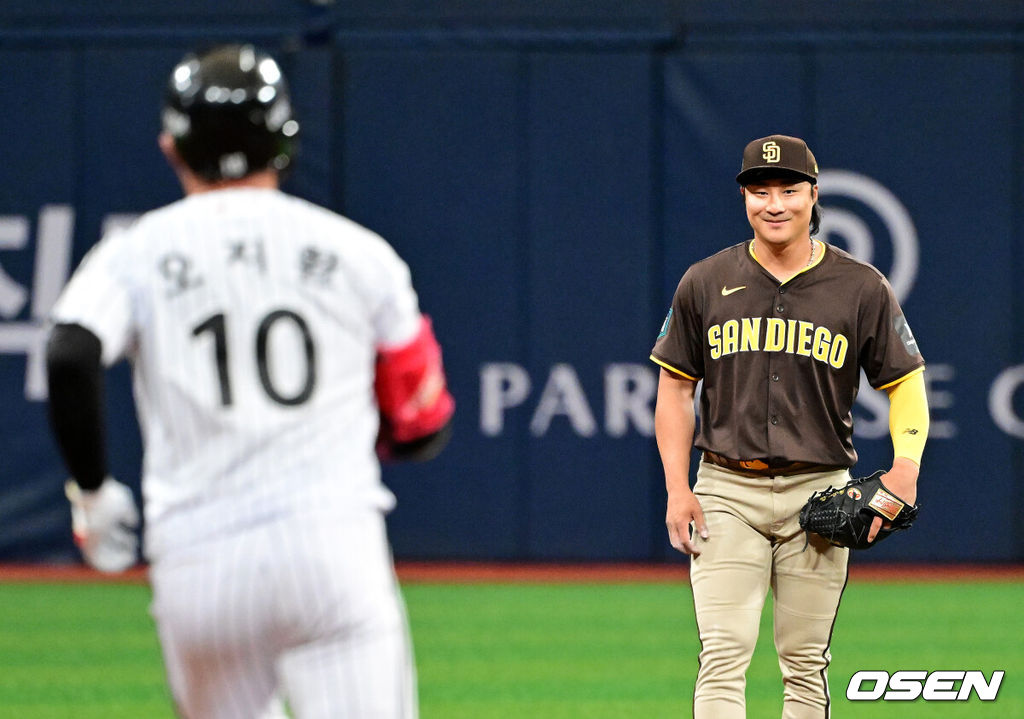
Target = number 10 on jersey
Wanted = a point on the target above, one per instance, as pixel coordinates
(217, 326)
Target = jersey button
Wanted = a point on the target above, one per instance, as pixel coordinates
(775, 376)
(780, 308)
(775, 419)
(782, 290)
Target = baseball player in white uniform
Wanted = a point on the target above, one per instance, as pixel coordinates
(277, 350)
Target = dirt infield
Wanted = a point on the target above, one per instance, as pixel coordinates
(485, 572)
(480, 572)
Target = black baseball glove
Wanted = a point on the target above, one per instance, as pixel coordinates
(843, 515)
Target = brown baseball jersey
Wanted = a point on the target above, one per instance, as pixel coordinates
(781, 361)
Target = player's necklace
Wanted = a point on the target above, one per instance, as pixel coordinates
(811, 258)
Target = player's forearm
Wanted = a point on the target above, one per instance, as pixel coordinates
(674, 425)
(908, 418)
(908, 425)
(75, 375)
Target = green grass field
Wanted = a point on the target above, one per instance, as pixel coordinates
(544, 651)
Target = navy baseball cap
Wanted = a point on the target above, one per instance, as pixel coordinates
(777, 156)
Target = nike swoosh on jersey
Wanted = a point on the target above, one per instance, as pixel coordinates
(726, 292)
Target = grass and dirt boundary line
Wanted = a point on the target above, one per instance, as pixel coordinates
(513, 572)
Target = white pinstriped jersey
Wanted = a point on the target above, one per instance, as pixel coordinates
(252, 320)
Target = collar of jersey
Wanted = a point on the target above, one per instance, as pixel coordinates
(817, 261)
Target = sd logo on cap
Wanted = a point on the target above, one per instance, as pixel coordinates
(777, 156)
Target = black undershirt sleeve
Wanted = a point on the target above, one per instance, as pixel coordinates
(420, 449)
(423, 448)
(76, 409)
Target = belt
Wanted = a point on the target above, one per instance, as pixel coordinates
(760, 468)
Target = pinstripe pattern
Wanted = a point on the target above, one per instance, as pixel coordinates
(252, 320)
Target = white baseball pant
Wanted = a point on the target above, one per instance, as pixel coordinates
(307, 609)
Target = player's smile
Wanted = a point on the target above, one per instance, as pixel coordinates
(779, 210)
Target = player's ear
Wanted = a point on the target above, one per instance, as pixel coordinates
(166, 142)
(814, 193)
(190, 182)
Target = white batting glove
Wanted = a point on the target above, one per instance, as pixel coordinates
(103, 522)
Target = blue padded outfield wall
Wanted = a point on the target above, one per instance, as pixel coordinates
(549, 170)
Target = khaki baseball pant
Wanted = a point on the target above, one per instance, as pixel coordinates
(755, 543)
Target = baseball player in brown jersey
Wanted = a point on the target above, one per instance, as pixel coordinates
(778, 328)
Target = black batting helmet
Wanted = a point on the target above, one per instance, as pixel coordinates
(230, 114)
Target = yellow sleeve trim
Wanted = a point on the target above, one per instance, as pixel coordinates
(904, 378)
(908, 417)
(672, 369)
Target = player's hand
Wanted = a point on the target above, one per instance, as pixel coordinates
(103, 522)
(902, 481)
(684, 508)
